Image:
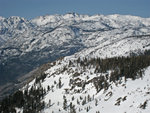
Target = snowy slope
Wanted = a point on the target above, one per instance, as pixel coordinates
(115, 46)
(120, 97)
(136, 93)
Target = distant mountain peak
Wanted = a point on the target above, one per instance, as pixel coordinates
(1, 18)
(16, 18)
(72, 14)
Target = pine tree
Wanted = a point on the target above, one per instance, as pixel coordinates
(78, 102)
(72, 108)
(64, 103)
(96, 102)
(89, 98)
(59, 83)
(48, 88)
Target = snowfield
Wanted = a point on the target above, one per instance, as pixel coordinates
(120, 97)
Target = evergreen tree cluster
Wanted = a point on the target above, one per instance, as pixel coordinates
(29, 101)
(128, 67)
(40, 78)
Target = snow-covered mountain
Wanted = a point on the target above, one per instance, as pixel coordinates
(74, 85)
(30, 43)
(88, 78)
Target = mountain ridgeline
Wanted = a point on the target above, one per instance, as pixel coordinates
(95, 63)
(30, 43)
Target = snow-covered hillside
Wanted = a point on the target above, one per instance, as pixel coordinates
(74, 81)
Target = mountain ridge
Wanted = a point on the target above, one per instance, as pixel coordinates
(25, 44)
(24, 37)
(104, 63)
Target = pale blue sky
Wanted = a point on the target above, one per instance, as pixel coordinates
(33, 8)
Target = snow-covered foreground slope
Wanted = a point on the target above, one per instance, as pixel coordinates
(129, 96)
(68, 80)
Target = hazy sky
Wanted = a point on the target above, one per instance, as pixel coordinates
(33, 8)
